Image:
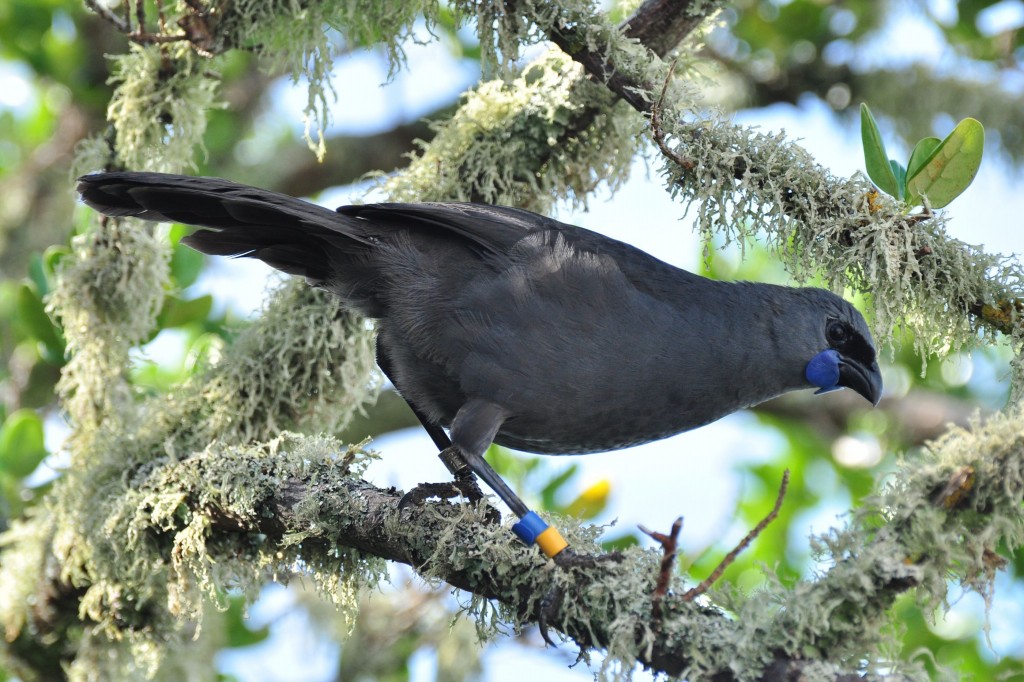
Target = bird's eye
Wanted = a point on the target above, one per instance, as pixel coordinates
(836, 332)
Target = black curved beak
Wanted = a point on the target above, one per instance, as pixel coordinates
(864, 379)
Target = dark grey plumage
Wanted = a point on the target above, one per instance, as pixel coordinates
(500, 324)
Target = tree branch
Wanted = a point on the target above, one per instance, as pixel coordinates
(954, 507)
(304, 506)
(658, 25)
(999, 311)
(329, 509)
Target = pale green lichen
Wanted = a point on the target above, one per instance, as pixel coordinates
(1017, 371)
(294, 37)
(146, 570)
(107, 298)
(92, 154)
(159, 107)
(950, 512)
(135, 527)
(911, 535)
(24, 546)
(527, 143)
(304, 364)
(141, 655)
(503, 34)
(305, 360)
(170, 536)
(461, 542)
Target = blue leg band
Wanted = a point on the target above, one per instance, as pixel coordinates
(533, 529)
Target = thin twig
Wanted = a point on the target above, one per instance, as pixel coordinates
(140, 14)
(155, 38)
(731, 556)
(657, 131)
(140, 36)
(161, 18)
(670, 546)
(108, 16)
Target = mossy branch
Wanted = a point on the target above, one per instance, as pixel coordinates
(951, 511)
(228, 515)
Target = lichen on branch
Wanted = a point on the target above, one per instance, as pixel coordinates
(526, 142)
(743, 184)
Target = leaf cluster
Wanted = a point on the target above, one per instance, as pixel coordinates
(938, 170)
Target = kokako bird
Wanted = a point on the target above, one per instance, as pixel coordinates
(501, 325)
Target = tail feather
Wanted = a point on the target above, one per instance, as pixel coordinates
(289, 234)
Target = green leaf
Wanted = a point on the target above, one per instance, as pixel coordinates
(238, 631)
(186, 263)
(876, 160)
(554, 486)
(179, 312)
(201, 349)
(951, 166)
(621, 542)
(921, 152)
(21, 443)
(901, 177)
(33, 317)
(37, 273)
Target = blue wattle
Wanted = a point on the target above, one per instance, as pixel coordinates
(823, 371)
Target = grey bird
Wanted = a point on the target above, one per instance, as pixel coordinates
(504, 326)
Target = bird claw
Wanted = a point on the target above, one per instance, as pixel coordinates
(465, 481)
(552, 600)
(462, 486)
(445, 491)
(550, 603)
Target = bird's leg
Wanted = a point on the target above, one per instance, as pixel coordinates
(472, 432)
(465, 479)
(465, 482)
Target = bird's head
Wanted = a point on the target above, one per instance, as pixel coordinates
(844, 353)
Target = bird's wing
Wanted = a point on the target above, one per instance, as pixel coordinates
(494, 229)
(497, 230)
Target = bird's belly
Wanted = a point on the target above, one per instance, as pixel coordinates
(565, 393)
(569, 409)
(560, 429)
(553, 444)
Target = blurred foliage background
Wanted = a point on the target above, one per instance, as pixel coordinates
(54, 92)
